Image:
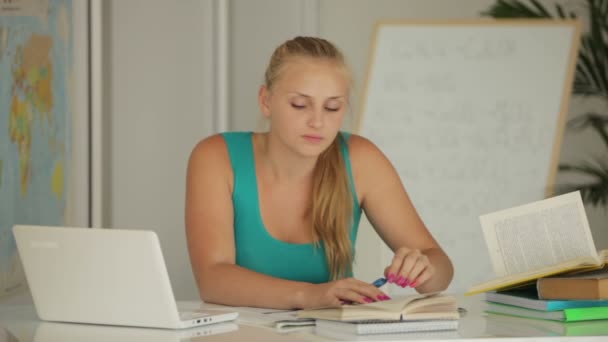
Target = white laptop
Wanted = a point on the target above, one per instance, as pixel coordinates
(103, 276)
(68, 332)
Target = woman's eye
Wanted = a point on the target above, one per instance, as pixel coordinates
(297, 106)
(332, 109)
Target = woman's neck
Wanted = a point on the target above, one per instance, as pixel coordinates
(284, 165)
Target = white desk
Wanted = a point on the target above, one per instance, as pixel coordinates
(18, 322)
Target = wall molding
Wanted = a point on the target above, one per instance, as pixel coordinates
(96, 113)
(221, 60)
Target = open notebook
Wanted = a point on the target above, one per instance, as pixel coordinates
(405, 308)
(412, 313)
(386, 327)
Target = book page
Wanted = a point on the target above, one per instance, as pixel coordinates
(538, 235)
(389, 309)
(603, 254)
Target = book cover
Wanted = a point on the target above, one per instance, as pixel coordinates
(386, 327)
(511, 326)
(588, 285)
(566, 315)
(411, 307)
(528, 298)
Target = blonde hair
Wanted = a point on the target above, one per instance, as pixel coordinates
(332, 199)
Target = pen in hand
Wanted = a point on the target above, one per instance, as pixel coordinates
(379, 282)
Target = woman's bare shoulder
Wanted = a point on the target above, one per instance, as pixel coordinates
(363, 150)
(368, 163)
(210, 153)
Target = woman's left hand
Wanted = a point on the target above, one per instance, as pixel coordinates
(410, 267)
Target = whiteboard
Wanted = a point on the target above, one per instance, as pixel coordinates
(471, 114)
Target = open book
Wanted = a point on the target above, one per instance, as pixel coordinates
(537, 240)
(412, 307)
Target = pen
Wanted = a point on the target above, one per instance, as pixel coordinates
(379, 282)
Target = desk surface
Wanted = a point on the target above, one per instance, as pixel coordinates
(18, 322)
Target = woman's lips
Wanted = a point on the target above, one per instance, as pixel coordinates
(313, 138)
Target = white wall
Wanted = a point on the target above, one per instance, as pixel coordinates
(256, 29)
(158, 105)
(159, 94)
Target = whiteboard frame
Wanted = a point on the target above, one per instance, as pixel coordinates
(566, 89)
(552, 168)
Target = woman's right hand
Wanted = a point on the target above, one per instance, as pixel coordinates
(338, 292)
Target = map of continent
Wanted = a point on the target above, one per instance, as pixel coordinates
(35, 126)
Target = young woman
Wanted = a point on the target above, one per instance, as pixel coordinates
(271, 218)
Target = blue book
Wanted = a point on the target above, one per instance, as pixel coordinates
(528, 298)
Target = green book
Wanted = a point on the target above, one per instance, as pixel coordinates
(511, 326)
(586, 314)
(566, 315)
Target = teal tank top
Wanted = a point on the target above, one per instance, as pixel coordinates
(256, 249)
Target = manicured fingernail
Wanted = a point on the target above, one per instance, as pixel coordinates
(400, 280)
(368, 300)
(391, 277)
(383, 297)
(414, 284)
(406, 282)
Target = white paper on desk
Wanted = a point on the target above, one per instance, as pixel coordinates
(258, 316)
(294, 324)
(280, 319)
(538, 234)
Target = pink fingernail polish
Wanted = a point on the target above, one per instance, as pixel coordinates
(391, 278)
(400, 280)
(368, 300)
(406, 282)
(414, 284)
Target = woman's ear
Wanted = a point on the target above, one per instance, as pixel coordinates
(263, 99)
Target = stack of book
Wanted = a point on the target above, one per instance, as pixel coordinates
(406, 314)
(521, 313)
(550, 278)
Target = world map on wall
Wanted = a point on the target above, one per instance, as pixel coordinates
(35, 117)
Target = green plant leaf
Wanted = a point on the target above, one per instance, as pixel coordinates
(521, 9)
(596, 121)
(596, 47)
(599, 8)
(587, 80)
(591, 77)
(594, 191)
